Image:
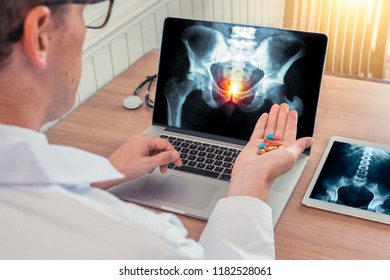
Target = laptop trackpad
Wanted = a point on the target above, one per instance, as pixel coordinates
(186, 192)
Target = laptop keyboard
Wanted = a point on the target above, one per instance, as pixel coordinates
(203, 158)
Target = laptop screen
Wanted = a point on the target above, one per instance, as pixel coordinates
(218, 78)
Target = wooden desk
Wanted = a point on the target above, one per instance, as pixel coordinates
(350, 108)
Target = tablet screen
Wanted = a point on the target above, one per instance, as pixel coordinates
(352, 174)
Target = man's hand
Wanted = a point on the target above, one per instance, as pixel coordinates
(252, 173)
(140, 155)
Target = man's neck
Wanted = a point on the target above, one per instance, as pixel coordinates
(15, 110)
(18, 121)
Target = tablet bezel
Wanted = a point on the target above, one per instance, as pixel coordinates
(338, 208)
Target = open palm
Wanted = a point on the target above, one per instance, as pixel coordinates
(253, 173)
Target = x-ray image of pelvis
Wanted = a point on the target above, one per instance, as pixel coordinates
(355, 176)
(223, 76)
(235, 69)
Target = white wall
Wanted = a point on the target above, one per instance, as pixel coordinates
(136, 25)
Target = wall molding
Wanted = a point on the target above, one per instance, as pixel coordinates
(125, 14)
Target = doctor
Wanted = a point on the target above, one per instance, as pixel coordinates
(49, 209)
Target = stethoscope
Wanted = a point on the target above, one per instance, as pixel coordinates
(135, 101)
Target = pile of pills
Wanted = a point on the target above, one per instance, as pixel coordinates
(269, 144)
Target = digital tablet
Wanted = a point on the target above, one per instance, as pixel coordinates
(352, 178)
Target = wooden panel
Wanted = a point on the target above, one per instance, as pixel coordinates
(102, 64)
(186, 8)
(219, 11)
(252, 11)
(160, 15)
(259, 12)
(174, 9)
(243, 4)
(88, 84)
(149, 33)
(236, 11)
(134, 43)
(119, 55)
(197, 9)
(208, 10)
(266, 16)
(228, 10)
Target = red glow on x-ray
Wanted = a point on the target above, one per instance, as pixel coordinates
(232, 87)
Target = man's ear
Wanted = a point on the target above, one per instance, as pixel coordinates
(35, 38)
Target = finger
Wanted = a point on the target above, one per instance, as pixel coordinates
(163, 169)
(282, 120)
(301, 144)
(159, 144)
(258, 132)
(290, 132)
(163, 158)
(272, 120)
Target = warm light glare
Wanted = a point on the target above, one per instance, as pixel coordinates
(235, 87)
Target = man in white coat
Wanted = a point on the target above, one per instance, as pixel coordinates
(49, 210)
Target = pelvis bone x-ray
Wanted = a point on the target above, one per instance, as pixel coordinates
(234, 69)
(233, 73)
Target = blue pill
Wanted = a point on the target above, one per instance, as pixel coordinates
(261, 146)
(270, 137)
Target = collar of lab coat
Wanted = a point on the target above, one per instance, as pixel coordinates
(26, 158)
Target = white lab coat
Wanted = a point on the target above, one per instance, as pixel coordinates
(49, 211)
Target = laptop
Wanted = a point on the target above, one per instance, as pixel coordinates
(214, 81)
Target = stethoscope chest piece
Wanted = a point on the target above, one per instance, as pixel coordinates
(132, 102)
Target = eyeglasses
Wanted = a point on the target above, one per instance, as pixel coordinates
(100, 8)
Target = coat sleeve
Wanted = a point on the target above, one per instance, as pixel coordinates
(239, 228)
